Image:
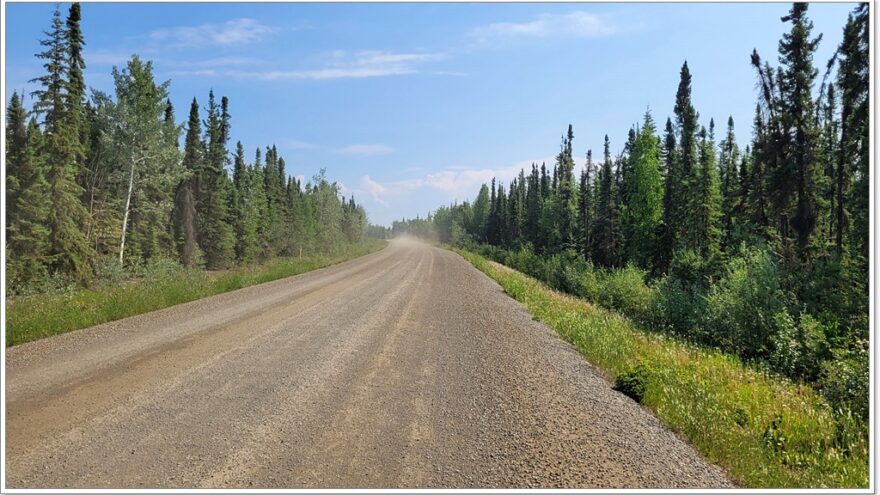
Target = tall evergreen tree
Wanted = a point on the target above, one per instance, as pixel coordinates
(185, 228)
(566, 196)
(16, 149)
(705, 237)
(853, 160)
(607, 235)
(686, 122)
(76, 88)
(796, 85)
(672, 200)
(729, 175)
(216, 236)
(585, 206)
(249, 199)
(533, 206)
(69, 252)
(27, 236)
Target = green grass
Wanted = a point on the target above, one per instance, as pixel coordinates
(34, 317)
(763, 430)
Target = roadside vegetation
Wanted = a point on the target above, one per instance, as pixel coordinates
(108, 216)
(141, 289)
(759, 252)
(99, 183)
(763, 429)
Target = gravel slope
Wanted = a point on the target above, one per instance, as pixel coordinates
(403, 368)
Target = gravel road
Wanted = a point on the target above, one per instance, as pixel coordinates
(403, 368)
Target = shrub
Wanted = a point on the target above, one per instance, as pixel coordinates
(844, 379)
(633, 382)
(798, 347)
(625, 290)
(679, 309)
(744, 304)
(110, 270)
(693, 270)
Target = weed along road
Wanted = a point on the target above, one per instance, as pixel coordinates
(403, 368)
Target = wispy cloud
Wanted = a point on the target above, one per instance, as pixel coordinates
(365, 150)
(457, 183)
(374, 189)
(296, 144)
(577, 24)
(224, 62)
(337, 65)
(232, 32)
(106, 57)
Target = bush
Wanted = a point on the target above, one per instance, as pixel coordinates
(744, 304)
(110, 270)
(693, 270)
(633, 382)
(625, 290)
(798, 347)
(844, 379)
(679, 309)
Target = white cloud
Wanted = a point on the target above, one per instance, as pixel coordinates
(455, 182)
(195, 73)
(232, 32)
(224, 62)
(450, 73)
(374, 189)
(354, 65)
(330, 73)
(296, 144)
(575, 24)
(337, 65)
(106, 57)
(365, 150)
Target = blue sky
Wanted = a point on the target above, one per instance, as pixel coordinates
(412, 106)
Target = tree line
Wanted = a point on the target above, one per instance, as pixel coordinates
(692, 213)
(97, 179)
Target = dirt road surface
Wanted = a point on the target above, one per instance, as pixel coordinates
(403, 368)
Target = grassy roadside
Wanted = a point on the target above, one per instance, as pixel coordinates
(35, 317)
(765, 431)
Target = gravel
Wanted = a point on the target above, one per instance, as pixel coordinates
(403, 368)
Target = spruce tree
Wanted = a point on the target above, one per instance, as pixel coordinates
(585, 206)
(673, 200)
(853, 155)
(184, 220)
(16, 149)
(533, 206)
(705, 236)
(216, 236)
(758, 199)
(249, 198)
(27, 236)
(607, 235)
(796, 84)
(686, 123)
(566, 199)
(76, 87)
(729, 176)
(69, 252)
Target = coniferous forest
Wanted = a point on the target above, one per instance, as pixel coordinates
(759, 249)
(98, 183)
